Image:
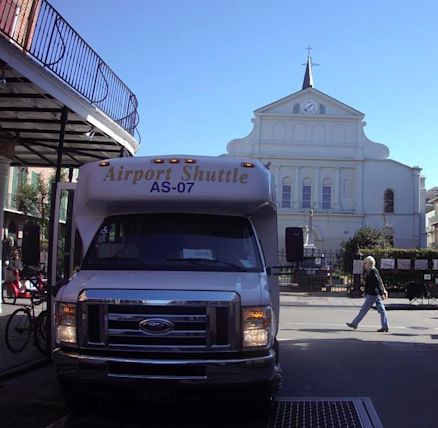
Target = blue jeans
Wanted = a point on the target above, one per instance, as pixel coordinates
(369, 302)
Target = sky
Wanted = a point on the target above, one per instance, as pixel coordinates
(199, 68)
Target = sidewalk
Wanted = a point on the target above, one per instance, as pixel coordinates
(11, 364)
(333, 300)
(14, 364)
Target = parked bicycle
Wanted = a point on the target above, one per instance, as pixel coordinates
(23, 285)
(24, 323)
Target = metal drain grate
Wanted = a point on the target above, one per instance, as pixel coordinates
(323, 413)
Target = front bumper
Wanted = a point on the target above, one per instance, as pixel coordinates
(202, 372)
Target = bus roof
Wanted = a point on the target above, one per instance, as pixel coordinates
(174, 184)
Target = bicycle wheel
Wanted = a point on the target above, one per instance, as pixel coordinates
(8, 293)
(18, 330)
(41, 332)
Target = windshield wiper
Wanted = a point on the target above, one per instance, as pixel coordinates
(195, 260)
(118, 262)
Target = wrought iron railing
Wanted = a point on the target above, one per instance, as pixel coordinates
(433, 219)
(43, 33)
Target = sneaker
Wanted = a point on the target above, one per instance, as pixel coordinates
(351, 325)
(383, 330)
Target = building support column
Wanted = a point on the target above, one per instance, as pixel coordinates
(297, 188)
(359, 188)
(316, 190)
(337, 188)
(52, 258)
(7, 150)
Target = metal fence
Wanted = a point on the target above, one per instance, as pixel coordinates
(318, 272)
(44, 34)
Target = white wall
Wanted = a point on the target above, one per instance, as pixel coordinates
(334, 146)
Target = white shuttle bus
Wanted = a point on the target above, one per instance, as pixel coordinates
(174, 293)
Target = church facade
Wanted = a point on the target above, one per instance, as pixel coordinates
(330, 178)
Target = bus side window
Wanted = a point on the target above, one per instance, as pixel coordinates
(77, 252)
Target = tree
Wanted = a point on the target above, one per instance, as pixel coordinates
(33, 200)
(26, 199)
(43, 205)
(365, 237)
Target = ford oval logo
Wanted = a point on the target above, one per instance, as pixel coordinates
(156, 326)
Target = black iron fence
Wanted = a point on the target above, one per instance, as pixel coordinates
(318, 272)
(44, 34)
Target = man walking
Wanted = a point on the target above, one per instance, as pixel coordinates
(374, 293)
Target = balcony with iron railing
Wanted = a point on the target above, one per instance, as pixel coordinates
(433, 220)
(36, 28)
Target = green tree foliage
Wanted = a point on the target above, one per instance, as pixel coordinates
(398, 279)
(365, 237)
(34, 200)
(43, 206)
(26, 199)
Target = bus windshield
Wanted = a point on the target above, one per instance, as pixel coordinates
(186, 242)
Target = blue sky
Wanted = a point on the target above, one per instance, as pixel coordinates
(199, 68)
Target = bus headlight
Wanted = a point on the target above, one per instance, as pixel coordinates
(66, 323)
(258, 326)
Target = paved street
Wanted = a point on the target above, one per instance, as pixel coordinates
(320, 355)
(11, 363)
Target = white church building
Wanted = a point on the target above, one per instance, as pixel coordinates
(326, 167)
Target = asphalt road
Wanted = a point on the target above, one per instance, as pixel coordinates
(320, 356)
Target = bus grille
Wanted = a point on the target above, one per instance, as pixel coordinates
(207, 325)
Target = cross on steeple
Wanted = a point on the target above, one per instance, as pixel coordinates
(308, 51)
(308, 77)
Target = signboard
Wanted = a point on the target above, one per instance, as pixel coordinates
(403, 264)
(357, 267)
(421, 264)
(387, 263)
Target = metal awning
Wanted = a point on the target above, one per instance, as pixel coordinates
(47, 68)
(32, 117)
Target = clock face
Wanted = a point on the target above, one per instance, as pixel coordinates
(310, 107)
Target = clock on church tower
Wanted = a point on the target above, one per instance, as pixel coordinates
(309, 106)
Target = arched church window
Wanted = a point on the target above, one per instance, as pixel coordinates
(326, 194)
(286, 193)
(306, 200)
(388, 201)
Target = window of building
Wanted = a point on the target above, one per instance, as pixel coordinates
(296, 109)
(321, 109)
(307, 194)
(388, 201)
(326, 194)
(286, 193)
(22, 176)
(34, 178)
(14, 180)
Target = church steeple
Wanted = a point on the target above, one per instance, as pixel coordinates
(308, 77)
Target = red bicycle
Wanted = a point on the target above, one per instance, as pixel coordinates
(33, 282)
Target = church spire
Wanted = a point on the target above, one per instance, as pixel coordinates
(308, 77)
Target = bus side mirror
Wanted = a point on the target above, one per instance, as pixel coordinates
(294, 244)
